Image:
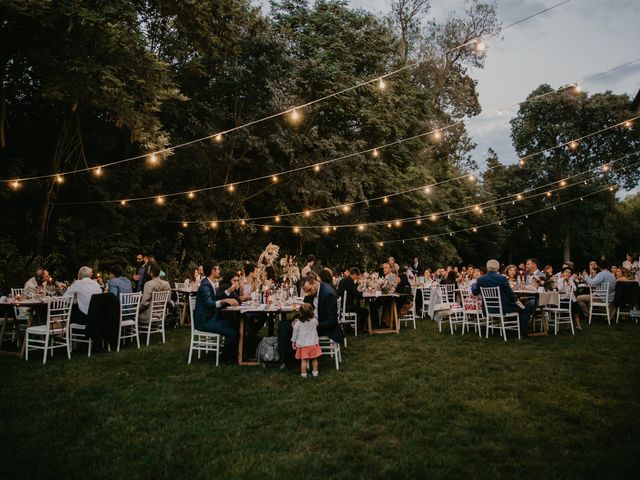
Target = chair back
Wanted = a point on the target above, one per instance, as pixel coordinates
(129, 306)
(192, 308)
(565, 302)
(492, 300)
(59, 314)
(448, 292)
(158, 307)
(344, 301)
(426, 294)
(599, 293)
(21, 313)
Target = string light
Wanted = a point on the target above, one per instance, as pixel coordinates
(361, 227)
(191, 195)
(296, 229)
(277, 219)
(419, 222)
(218, 138)
(389, 225)
(475, 229)
(266, 228)
(214, 224)
(15, 184)
(346, 208)
(274, 179)
(375, 153)
(480, 46)
(628, 124)
(231, 187)
(605, 168)
(548, 194)
(577, 88)
(123, 202)
(397, 223)
(153, 159)
(573, 144)
(437, 135)
(385, 200)
(160, 200)
(326, 229)
(427, 190)
(519, 196)
(434, 217)
(426, 239)
(98, 172)
(380, 243)
(563, 183)
(243, 222)
(316, 167)
(185, 224)
(295, 115)
(59, 178)
(472, 178)
(521, 162)
(307, 213)
(381, 84)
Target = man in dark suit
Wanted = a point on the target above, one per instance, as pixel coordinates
(508, 299)
(209, 302)
(417, 267)
(348, 287)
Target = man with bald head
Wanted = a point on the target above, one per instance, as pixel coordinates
(508, 299)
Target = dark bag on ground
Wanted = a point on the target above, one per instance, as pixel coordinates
(267, 352)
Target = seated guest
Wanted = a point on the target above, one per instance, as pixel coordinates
(326, 276)
(83, 289)
(348, 286)
(507, 298)
(535, 277)
(118, 284)
(404, 289)
(207, 312)
(311, 260)
(511, 272)
(391, 283)
(32, 285)
(154, 284)
(549, 278)
(192, 279)
(452, 279)
(597, 276)
(624, 275)
(249, 283)
(567, 287)
(230, 286)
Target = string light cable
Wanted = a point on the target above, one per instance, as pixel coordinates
(423, 187)
(474, 229)
(294, 112)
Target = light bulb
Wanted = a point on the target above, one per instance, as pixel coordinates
(266, 228)
(382, 84)
(375, 153)
(160, 200)
(191, 195)
(218, 138)
(427, 190)
(214, 224)
(475, 229)
(296, 229)
(548, 194)
(277, 219)
(577, 88)
(434, 217)
(243, 222)
(307, 213)
(419, 222)
(521, 162)
(480, 46)
(346, 208)
(316, 168)
(15, 184)
(385, 200)
(563, 183)
(361, 227)
(326, 229)
(295, 116)
(389, 225)
(153, 159)
(437, 135)
(274, 179)
(573, 144)
(98, 171)
(426, 239)
(59, 178)
(397, 223)
(185, 224)
(231, 187)
(123, 202)
(472, 178)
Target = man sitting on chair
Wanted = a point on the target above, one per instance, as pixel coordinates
(507, 298)
(207, 318)
(156, 284)
(348, 287)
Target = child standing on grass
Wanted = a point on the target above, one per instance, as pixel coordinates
(305, 340)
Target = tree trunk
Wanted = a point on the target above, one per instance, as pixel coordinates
(3, 105)
(566, 251)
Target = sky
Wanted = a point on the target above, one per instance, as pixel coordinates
(560, 47)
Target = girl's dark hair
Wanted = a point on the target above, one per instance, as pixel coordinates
(306, 312)
(228, 275)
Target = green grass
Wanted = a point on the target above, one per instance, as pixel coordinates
(418, 405)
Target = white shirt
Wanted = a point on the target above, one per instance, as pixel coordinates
(306, 270)
(305, 334)
(630, 265)
(31, 286)
(84, 289)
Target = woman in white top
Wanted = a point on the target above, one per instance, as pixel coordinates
(567, 287)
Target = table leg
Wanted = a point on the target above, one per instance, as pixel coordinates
(241, 340)
(183, 313)
(394, 315)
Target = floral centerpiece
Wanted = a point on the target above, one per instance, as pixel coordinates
(291, 272)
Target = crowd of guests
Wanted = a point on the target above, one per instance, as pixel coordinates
(322, 288)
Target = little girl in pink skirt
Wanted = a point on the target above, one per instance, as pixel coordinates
(305, 340)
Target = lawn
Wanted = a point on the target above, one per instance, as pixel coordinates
(417, 405)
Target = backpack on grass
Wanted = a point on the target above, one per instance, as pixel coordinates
(267, 352)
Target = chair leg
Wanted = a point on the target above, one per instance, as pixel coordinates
(89, 349)
(26, 350)
(162, 326)
(137, 336)
(190, 351)
(46, 345)
(148, 332)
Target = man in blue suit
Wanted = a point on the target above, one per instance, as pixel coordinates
(209, 302)
(508, 299)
